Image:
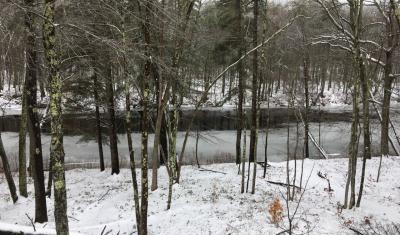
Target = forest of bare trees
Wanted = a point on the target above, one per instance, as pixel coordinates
(156, 59)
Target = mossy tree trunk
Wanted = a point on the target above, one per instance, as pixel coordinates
(56, 144)
(146, 14)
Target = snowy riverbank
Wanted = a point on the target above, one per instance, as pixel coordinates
(210, 203)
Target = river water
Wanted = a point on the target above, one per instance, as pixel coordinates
(213, 146)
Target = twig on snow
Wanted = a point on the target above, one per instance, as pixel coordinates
(33, 224)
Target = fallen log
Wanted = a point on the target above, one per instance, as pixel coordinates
(204, 169)
(282, 184)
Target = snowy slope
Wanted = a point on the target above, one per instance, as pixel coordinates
(210, 203)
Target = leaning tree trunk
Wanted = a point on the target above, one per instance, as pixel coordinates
(56, 145)
(7, 172)
(35, 135)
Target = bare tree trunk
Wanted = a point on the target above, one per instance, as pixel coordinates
(112, 124)
(145, 96)
(266, 140)
(254, 101)
(295, 159)
(353, 149)
(98, 120)
(366, 127)
(266, 90)
(22, 147)
(288, 151)
(197, 147)
(155, 155)
(164, 142)
(132, 160)
(144, 162)
(240, 70)
(306, 125)
(387, 82)
(243, 159)
(35, 135)
(172, 153)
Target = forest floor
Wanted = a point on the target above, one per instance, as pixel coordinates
(209, 202)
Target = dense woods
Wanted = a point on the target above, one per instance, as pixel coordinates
(157, 58)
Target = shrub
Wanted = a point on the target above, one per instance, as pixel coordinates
(275, 209)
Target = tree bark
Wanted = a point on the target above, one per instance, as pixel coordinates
(112, 124)
(35, 135)
(307, 100)
(366, 126)
(98, 120)
(388, 81)
(254, 100)
(240, 71)
(22, 147)
(132, 159)
(144, 86)
(56, 145)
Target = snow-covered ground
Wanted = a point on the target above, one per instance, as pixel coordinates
(211, 203)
